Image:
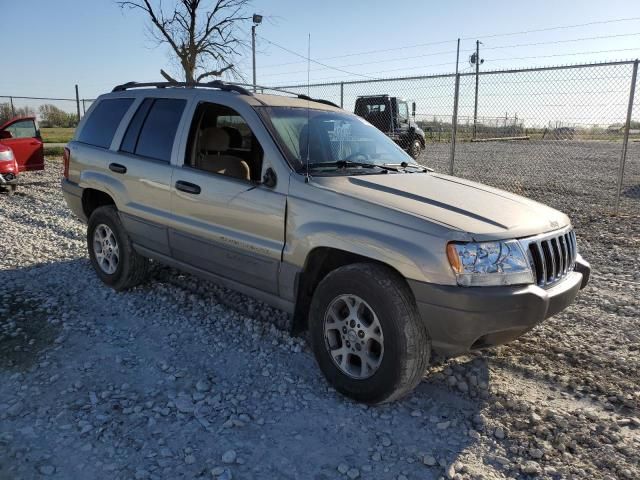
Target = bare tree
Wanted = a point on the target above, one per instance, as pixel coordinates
(202, 34)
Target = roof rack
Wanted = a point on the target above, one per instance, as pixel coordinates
(298, 95)
(229, 87)
(220, 85)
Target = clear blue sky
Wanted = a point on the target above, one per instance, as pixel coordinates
(51, 45)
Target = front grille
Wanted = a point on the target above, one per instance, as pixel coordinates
(552, 256)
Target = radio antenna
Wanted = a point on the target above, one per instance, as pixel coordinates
(308, 102)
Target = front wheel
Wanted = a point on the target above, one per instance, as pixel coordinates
(416, 148)
(111, 251)
(366, 333)
(11, 189)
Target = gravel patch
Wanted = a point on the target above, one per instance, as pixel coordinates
(181, 378)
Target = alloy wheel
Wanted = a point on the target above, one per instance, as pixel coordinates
(353, 336)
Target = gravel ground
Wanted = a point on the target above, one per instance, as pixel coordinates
(180, 378)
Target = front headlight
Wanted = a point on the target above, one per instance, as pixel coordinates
(489, 263)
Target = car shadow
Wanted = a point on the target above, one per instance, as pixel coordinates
(294, 413)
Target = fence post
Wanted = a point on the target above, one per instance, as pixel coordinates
(341, 94)
(78, 103)
(454, 124)
(625, 141)
(13, 110)
(84, 108)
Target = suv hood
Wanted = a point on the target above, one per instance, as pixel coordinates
(483, 212)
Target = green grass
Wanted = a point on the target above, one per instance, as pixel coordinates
(57, 135)
(53, 151)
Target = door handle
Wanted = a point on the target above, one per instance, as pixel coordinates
(187, 187)
(116, 167)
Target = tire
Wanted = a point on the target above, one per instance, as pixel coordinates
(124, 270)
(10, 189)
(398, 363)
(416, 148)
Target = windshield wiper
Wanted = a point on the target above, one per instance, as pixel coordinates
(341, 164)
(405, 165)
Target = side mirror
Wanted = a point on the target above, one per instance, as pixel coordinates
(413, 109)
(270, 178)
(5, 134)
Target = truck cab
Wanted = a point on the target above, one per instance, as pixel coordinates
(391, 116)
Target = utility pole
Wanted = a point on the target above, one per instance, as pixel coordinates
(454, 119)
(78, 103)
(475, 106)
(257, 20)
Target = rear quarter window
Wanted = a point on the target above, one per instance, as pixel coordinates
(103, 122)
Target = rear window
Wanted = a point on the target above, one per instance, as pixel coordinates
(103, 122)
(153, 128)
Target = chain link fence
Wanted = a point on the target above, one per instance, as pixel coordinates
(562, 135)
(66, 109)
(555, 134)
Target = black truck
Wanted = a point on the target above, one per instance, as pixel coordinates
(391, 116)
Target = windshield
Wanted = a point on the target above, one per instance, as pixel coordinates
(332, 140)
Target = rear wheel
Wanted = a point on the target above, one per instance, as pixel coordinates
(111, 251)
(366, 333)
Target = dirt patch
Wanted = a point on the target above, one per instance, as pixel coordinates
(24, 331)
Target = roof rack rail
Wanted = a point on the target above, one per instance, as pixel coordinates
(230, 87)
(219, 84)
(317, 100)
(282, 90)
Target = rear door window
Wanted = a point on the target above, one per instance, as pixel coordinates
(103, 122)
(153, 128)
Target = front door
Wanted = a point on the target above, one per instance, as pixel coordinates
(226, 222)
(21, 134)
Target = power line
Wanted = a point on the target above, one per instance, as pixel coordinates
(561, 27)
(564, 54)
(368, 74)
(369, 52)
(551, 42)
(473, 37)
(493, 60)
(390, 70)
(311, 60)
(364, 63)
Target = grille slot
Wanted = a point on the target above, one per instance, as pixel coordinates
(552, 257)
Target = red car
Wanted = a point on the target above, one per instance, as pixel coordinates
(8, 169)
(22, 135)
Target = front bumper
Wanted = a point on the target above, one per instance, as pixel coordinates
(461, 319)
(8, 178)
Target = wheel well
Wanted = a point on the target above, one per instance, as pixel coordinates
(92, 199)
(320, 262)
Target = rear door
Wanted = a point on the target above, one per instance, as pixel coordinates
(143, 166)
(22, 135)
